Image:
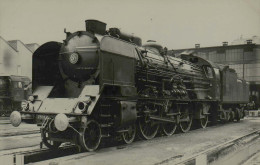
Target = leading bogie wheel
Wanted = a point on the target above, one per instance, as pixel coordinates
(90, 136)
(46, 140)
(129, 136)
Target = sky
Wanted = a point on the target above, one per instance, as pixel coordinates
(175, 24)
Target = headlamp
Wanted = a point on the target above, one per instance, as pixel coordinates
(83, 105)
(61, 122)
(15, 118)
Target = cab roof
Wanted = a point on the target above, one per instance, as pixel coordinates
(201, 61)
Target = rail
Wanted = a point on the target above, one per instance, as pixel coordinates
(213, 154)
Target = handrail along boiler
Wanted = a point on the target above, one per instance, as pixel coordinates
(104, 83)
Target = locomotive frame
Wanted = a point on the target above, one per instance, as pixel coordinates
(100, 83)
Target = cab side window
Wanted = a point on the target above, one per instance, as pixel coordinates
(209, 72)
(217, 73)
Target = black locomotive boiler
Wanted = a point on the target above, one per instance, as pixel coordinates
(103, 83)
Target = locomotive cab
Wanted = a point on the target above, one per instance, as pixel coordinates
(211, 72)
(225, 88)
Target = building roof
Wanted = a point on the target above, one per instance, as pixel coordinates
(241, 40)
(237, 43)
(192, 50)
(32, 46)
(9, 44)
(14, 43)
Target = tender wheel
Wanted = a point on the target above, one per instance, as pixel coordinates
(129, 136)
(147, 129)
(238, 115)
(185, 125)
(232, 116)
(90, 136)
(47, 142)
(228, 116)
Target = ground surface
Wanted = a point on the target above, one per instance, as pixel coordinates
(161, 150)
(254, 160)
(17, 137)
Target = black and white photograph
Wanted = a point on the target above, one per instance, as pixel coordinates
(130, 82)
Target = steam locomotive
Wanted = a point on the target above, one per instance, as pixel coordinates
(103, 83)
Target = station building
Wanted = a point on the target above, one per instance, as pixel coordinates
(16, 57)
(243, 55)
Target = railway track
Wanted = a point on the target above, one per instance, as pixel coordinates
(73, 155)
(4, 120)
(38, 155)
(211, 155)
(35, 155)
(7, 134)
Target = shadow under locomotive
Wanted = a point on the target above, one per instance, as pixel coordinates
(104, 83)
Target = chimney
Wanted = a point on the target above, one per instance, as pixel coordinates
(197, 45)
(248, 41)
(225, 43)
